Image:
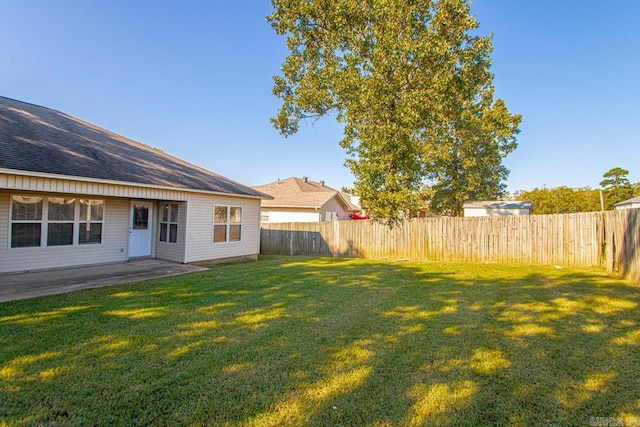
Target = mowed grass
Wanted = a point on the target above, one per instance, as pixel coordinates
(319, 341)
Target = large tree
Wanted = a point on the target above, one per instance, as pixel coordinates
(616, 186)
(561, 200)
(410, 81)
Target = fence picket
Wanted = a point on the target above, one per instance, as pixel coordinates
(593, 239)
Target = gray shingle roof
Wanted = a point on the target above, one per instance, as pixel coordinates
(39, 139)
(629, 201)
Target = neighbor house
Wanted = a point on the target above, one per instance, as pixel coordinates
(495, 208)
(303, 200)
(73, 194)
(628, 204)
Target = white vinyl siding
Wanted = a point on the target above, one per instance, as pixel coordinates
(333, 210)
(168, 250)
(284, 215)
(633, 205)
(69, 186)
(195, 226)
(200, 221)
(112, 249)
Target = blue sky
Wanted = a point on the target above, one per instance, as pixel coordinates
(194, 78)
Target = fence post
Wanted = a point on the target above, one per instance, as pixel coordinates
(610, 239)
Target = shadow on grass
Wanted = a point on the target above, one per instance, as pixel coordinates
(295, 341)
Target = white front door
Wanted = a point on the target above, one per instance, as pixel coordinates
(140, 229)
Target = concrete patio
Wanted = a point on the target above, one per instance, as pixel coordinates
(50, 282)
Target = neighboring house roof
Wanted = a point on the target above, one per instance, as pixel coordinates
(628, 202)
(496, 204)
(301, 193)
(41, 140)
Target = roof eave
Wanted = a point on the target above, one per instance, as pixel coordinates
(127, 183)
(292, 206)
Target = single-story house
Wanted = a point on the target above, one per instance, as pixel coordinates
(628, 204)
(303, 200)
(73, 194)
(495, 208)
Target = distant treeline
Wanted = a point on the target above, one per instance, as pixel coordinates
(615, 188)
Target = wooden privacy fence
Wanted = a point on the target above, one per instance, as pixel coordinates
(590, 239)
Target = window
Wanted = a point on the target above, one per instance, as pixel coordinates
(60, 221)
(26, 221)
(169, 222)
(140, 217)
(53, 221)
(264, 216)
(220, 224)
(235, 224)
(227, 224)
(91, 214)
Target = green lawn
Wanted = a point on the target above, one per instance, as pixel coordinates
(308, 341)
